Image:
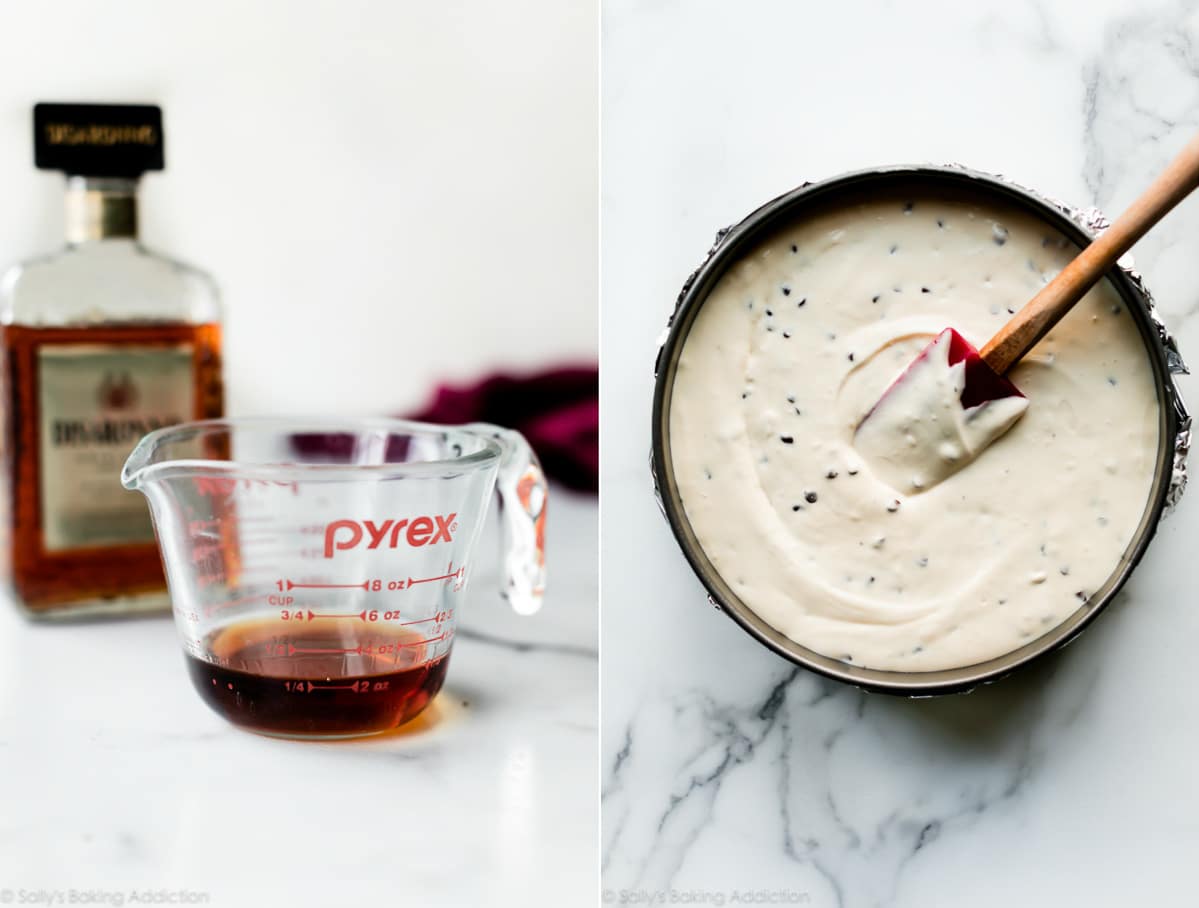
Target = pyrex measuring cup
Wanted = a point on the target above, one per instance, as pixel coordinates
(316, 568)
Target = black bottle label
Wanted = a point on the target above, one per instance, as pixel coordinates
(98, 140)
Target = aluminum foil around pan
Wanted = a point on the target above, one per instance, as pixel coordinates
(1089, 222)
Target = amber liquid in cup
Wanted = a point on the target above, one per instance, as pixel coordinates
(317, 677)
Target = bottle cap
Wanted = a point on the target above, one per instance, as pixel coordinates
(98, 140)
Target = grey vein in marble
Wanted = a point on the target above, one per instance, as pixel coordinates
(954, 758)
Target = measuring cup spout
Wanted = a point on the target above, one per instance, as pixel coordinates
(521, 487)
(138, 460)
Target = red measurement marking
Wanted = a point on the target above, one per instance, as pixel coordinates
(375, 615)
(353, 687)
(444, 635)
(361, 616)
(292, 650)
(328, 586)
(458, 573)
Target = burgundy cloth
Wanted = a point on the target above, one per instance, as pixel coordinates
(556, 410)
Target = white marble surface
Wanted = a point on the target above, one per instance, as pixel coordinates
(114, 777)
(725, 768)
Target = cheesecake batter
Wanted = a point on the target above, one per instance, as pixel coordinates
(796, 344)
(922, 430)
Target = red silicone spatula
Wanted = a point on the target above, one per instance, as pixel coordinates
(954, 400)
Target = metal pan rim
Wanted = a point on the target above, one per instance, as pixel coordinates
(786, 207)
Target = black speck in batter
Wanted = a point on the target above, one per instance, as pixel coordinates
(831, 474)
(922, 562)
(787, 335)
(908, 206)
(999, 235)
(1064, 570)
(797, 507)
(1111, 380)
(794, 248)
(925, 290)
(787, 439)
(809, 497)
(893, 506)
(769, 313)
(786, 291)
(852, 472)
(851, 357)
(802, 301)
(875, 298)
(940, 223)
(894, 248)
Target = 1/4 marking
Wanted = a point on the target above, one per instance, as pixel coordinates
(358, 687)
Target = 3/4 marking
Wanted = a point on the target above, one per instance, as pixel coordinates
(366, 615)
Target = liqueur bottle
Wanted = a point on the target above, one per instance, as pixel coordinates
(100, 343)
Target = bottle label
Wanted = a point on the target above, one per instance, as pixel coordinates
(95, 402)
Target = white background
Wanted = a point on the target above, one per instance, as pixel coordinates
(387, 193)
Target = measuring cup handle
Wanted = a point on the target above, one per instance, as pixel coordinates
(522, 491)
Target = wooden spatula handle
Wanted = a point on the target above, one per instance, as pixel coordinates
(1044, 310)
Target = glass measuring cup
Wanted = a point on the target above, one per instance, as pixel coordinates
(316, 567)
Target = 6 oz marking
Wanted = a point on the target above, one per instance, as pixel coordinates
(366, 615)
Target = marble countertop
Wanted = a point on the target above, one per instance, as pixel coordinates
(726, 769)
(114, 777)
